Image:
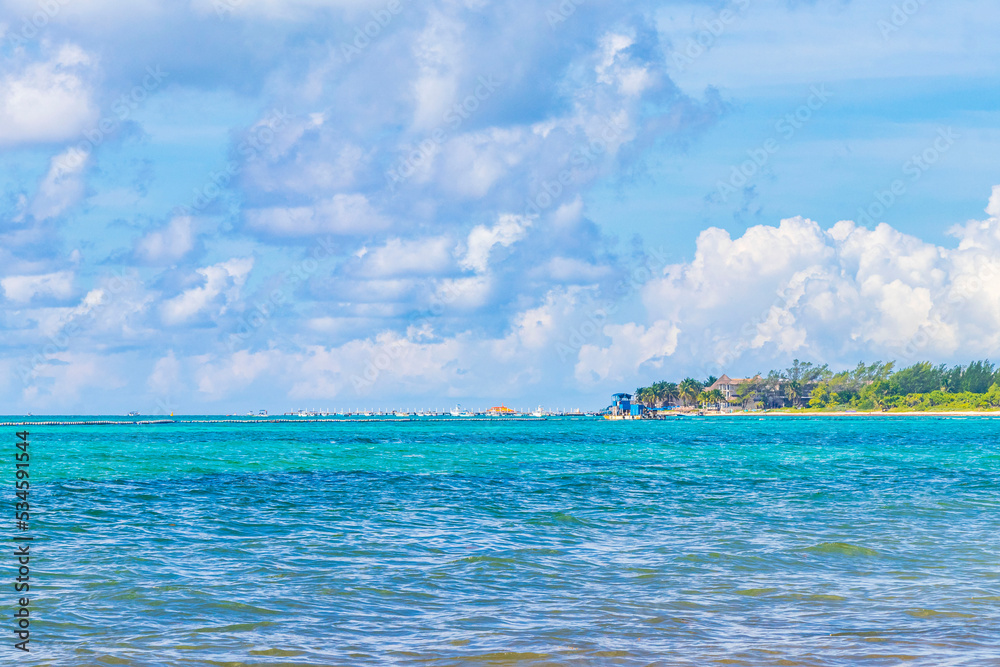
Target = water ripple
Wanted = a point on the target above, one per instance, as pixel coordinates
(823, 542)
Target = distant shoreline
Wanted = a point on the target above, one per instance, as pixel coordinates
(842, 413)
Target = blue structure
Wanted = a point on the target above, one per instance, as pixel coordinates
(624, 408)
(622, 404)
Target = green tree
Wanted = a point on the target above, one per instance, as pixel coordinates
(874, 395)
(993, 396)
(749, 391)
(668, 393)
(797, 370)
(843, 387)
(919, 378)
(770, 389)
(821, 396)
(951, 379)
(977, 377)
(921, 386)
(815, 374)
(688, 390)
(793, 392)
(716, 398)
(646, 396)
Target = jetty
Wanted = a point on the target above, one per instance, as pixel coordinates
(90, 423)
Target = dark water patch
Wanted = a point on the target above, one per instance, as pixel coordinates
(842, 549)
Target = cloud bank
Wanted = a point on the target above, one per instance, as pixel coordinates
(351, 204)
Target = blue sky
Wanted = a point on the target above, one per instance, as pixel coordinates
(221, 205)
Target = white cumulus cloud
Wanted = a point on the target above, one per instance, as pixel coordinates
(220, 280)
(341, 214)
(399, 257)
(632, 345)
(509, 230)
(62, 186)
(993, 210)
(23, 289)
(49, 100)
(834, 295)
(168, 244)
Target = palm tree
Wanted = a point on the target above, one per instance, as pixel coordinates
(772, 389)
(645, 395)
(716, 398)
(688, 390)
(651, 397)
(703, 399)
(748, 391)
(669, 392)
(793, 392)
(658, 393)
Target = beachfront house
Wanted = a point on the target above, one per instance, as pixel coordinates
(772, 393)
(728, 386)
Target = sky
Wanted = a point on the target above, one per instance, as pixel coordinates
(214, 206)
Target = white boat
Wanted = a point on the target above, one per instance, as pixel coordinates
(458, 412)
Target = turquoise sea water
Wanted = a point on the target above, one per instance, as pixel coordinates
(809, 541)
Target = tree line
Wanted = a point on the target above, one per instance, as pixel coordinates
(922, 386)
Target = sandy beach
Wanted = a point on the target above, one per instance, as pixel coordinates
(804, 413)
